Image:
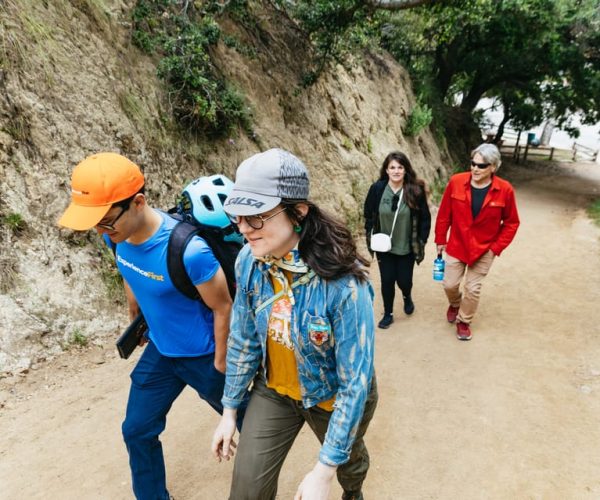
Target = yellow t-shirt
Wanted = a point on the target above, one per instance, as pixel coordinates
(282, 370)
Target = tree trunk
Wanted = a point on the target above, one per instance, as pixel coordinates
(444, 56)
(470, 101)
(547, 133)
(505, 118)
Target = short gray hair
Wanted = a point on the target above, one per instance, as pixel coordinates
(489, 153)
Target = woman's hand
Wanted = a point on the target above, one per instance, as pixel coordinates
(316, 484)
(223, 446)
(441, 248)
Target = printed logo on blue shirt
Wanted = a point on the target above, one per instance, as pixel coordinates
(133, 267)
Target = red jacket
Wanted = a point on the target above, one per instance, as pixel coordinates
(494, 227)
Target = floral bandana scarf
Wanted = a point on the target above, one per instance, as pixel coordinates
(289, 262)
(281, 313)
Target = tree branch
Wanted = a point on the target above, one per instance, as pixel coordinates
(397, 4)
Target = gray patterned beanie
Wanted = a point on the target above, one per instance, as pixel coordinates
(262, 180)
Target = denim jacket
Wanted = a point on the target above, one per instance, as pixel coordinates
(332, 328)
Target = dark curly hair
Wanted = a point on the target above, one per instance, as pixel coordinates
(326, 244)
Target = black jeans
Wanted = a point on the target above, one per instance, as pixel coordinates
(395, 270)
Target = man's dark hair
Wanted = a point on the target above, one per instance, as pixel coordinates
(125, 203)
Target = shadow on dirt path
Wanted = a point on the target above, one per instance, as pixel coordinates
(511, 414)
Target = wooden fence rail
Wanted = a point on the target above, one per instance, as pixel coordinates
(584, 152)
(512, 145)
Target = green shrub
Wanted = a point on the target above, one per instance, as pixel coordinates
(347, 143)
(201, 99)
(419, 118)
(594, 211)
(14, 222)
(78, 338)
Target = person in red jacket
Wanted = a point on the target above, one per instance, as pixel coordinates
(480, 210)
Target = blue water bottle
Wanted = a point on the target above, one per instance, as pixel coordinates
(439, 265)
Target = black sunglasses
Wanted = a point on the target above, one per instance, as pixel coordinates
(395, 200)
(111, 226)
(480, 165)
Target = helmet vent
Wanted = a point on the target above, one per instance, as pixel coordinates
(207, 202)
(218, 182)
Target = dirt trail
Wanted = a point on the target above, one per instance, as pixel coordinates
(514, 413)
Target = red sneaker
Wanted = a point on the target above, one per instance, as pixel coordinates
(451, 314)
(463, 332)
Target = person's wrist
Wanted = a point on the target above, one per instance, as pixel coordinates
(325, 471)
(230, 413)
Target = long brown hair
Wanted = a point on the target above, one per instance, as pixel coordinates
(326, 245)
(413, 186)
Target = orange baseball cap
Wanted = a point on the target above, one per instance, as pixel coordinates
(97, 182)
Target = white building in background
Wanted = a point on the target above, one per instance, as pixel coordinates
(589, 134)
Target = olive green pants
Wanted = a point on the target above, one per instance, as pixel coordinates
(270, 427)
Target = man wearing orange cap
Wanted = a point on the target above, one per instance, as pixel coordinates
(186, 338)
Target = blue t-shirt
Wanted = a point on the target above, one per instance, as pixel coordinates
(177, 325)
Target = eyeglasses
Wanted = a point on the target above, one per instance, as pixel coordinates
(111, 226)
(395, 200)
(254, 221)
(480, 165)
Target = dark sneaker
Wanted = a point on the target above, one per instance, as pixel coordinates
(463, 332)
(386, 321)
(409, 306)
(451, 314)
(353, 495)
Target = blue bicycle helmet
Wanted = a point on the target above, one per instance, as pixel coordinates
(203, 199)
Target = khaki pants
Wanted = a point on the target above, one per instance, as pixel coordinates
(270, 427)
(456, 270)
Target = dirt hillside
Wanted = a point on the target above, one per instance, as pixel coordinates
(512, 414)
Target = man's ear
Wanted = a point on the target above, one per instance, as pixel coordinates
(139, 201)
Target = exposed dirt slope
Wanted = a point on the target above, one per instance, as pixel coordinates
(511, 414)
(71, 84)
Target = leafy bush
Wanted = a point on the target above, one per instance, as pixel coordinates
(594, 211)
(78, 338)
(201, 99)
(14, 222)
(419, 118)
(339, 32)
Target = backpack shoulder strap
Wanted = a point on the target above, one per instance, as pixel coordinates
(181, 235)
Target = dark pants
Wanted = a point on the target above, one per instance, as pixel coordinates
(156, 381)
(395, 270)
(271, 425)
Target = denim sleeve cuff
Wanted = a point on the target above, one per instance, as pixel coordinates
(333, 456)
(230, 403)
